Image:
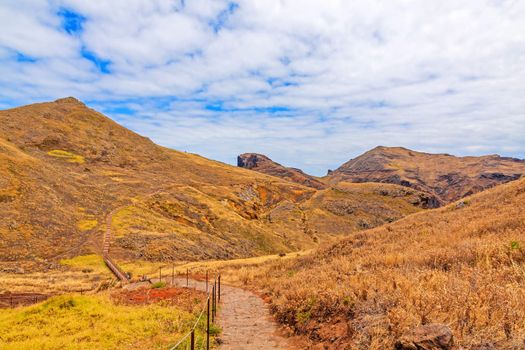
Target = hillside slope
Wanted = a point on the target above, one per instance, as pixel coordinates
(447, 177)
(265, 165)
(461, 265)
(65, 167)
(67, 170)
(346, 208)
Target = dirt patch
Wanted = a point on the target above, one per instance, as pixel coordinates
(184, 298)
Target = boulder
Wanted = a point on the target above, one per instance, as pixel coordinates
(427, 337)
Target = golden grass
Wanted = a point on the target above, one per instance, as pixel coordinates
(462, 265)
(67, 156)
(81, 273)
(139, 268)
(76, 279)
(204, 209)
(92, 322)
(86, 225)
(92, 263)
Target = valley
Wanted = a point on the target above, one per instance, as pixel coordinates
(389, 241)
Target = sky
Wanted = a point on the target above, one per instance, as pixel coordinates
(311, 84)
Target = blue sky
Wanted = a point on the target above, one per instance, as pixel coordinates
(309, 83)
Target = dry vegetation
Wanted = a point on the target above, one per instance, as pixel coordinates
(64, 175)
(82, 273)
(61, 178)
(462, 265)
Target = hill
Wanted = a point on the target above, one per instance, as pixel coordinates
(447, 177)
(265, 165)
(65, 167)
(68, 171)
(461, 265)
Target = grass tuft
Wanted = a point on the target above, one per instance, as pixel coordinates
(158, 285)
(86, 225)
(67, 156)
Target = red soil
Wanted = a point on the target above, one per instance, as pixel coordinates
(185, 298)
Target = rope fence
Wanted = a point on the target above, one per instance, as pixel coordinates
(213, 298)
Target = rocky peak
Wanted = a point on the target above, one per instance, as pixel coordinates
(252, 160)
(263, 164)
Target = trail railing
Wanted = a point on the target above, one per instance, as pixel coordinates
(213, 298)
(115, 269)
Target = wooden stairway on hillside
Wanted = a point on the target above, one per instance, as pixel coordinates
(117, 271)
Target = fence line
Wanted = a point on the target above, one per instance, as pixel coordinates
(212, 297)
(16, 299)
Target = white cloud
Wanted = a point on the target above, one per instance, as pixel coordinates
(311, 83)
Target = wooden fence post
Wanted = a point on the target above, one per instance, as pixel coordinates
(173, 275)
(219, 291)
(208, 326)
(187, 278)
(160, 274)
(193, 339)
(213, 304)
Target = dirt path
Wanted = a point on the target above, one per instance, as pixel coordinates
(245, 320)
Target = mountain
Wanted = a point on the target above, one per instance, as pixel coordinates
(68, 172)
(459, 265)
(265, 165)
(445, 176)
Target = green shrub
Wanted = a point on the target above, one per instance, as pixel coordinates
(158, 285)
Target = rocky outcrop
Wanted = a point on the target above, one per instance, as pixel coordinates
(265, 165)
(427, 337)
(446, 177)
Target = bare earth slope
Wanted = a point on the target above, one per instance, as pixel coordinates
(460, 265)
(447, 177)
(65, 167)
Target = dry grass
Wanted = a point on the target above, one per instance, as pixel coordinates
(140, 268)
(203, 209)
(202, 213)
(53, 282)
(82, 273)
(462, 265)
(88, 224)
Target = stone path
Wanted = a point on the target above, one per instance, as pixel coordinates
(245, 320)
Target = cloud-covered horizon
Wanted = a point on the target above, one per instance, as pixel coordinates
(311, 84)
